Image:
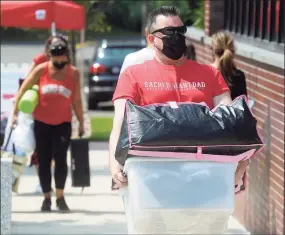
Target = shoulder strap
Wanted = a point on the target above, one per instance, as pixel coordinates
(8, 140)
(46, 69)
(70, 72)
(71, 75)
(44, 72)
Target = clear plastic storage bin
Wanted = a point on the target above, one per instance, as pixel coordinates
(178, 197)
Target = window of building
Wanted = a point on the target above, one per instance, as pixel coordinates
(258, 19)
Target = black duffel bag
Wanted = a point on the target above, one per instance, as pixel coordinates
(181, 129)
(80, 168)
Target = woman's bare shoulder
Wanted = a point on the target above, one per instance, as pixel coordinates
(39, 69)
(75, 72)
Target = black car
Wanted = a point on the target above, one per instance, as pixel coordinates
(105, 69)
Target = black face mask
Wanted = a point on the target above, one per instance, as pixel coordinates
(59, 65)
(174, 46)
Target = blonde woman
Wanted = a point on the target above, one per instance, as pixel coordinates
(224, 52)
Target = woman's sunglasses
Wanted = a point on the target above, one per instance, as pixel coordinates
(58, 50)
(170, 31)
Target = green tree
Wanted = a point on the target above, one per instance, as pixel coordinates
(95, 14)
(127, 14)
(118, 16)
(191, 14)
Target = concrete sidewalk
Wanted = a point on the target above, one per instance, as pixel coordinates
(96, 211)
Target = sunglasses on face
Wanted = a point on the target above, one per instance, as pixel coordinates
(170, 31)
(58, 50)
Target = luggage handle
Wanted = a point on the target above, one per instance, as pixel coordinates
(173, 104)
(199, 152)
(8, 141)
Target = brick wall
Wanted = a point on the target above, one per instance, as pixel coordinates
(261, 208)
(214, 16)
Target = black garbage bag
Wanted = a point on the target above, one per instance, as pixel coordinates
(228, 130)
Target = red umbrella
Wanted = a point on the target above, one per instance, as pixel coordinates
(64, 15)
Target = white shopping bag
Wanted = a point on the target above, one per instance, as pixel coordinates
(23, 134)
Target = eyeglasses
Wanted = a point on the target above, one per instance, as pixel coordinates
(58, 50)
(170, 31)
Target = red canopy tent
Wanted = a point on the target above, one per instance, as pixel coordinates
(65, 15)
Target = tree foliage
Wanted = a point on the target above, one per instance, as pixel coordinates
(109, 16)
(127, 14)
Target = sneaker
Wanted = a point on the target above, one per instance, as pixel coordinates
(46, 206)
(61, 205)
(38, 189)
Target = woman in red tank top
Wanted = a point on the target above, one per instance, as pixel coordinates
(59, 92)
(39, 59)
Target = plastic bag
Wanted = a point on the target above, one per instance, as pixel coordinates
(19, 159)
(19, 162)
(23, 135)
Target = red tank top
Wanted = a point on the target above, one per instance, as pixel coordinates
(55, 99)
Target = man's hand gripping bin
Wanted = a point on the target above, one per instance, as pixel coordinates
(168, 196)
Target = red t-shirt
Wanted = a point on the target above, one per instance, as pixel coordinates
(153, 82)
(41, 58)
(55, 99)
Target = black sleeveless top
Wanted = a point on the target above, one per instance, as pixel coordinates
(237, 84)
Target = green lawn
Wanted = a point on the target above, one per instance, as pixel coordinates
(101, 128)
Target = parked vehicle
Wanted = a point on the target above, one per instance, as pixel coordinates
(105, 69)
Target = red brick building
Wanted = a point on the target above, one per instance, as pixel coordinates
(258, 29)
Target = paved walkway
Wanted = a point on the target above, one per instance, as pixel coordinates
(96, 211)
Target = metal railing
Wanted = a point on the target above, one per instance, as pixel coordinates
(262, 19)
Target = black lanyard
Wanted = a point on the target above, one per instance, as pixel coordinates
(7, 142)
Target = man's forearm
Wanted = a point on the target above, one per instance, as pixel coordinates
(114, 137)
(242, 164)
(240, 171)
(223, 99)
(116, 131)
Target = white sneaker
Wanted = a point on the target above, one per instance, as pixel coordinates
(38, 189)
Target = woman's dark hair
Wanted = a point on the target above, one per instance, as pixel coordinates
(59, 37)
(223, 47)
(49, 40)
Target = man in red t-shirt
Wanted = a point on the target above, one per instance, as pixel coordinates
(168, 77)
